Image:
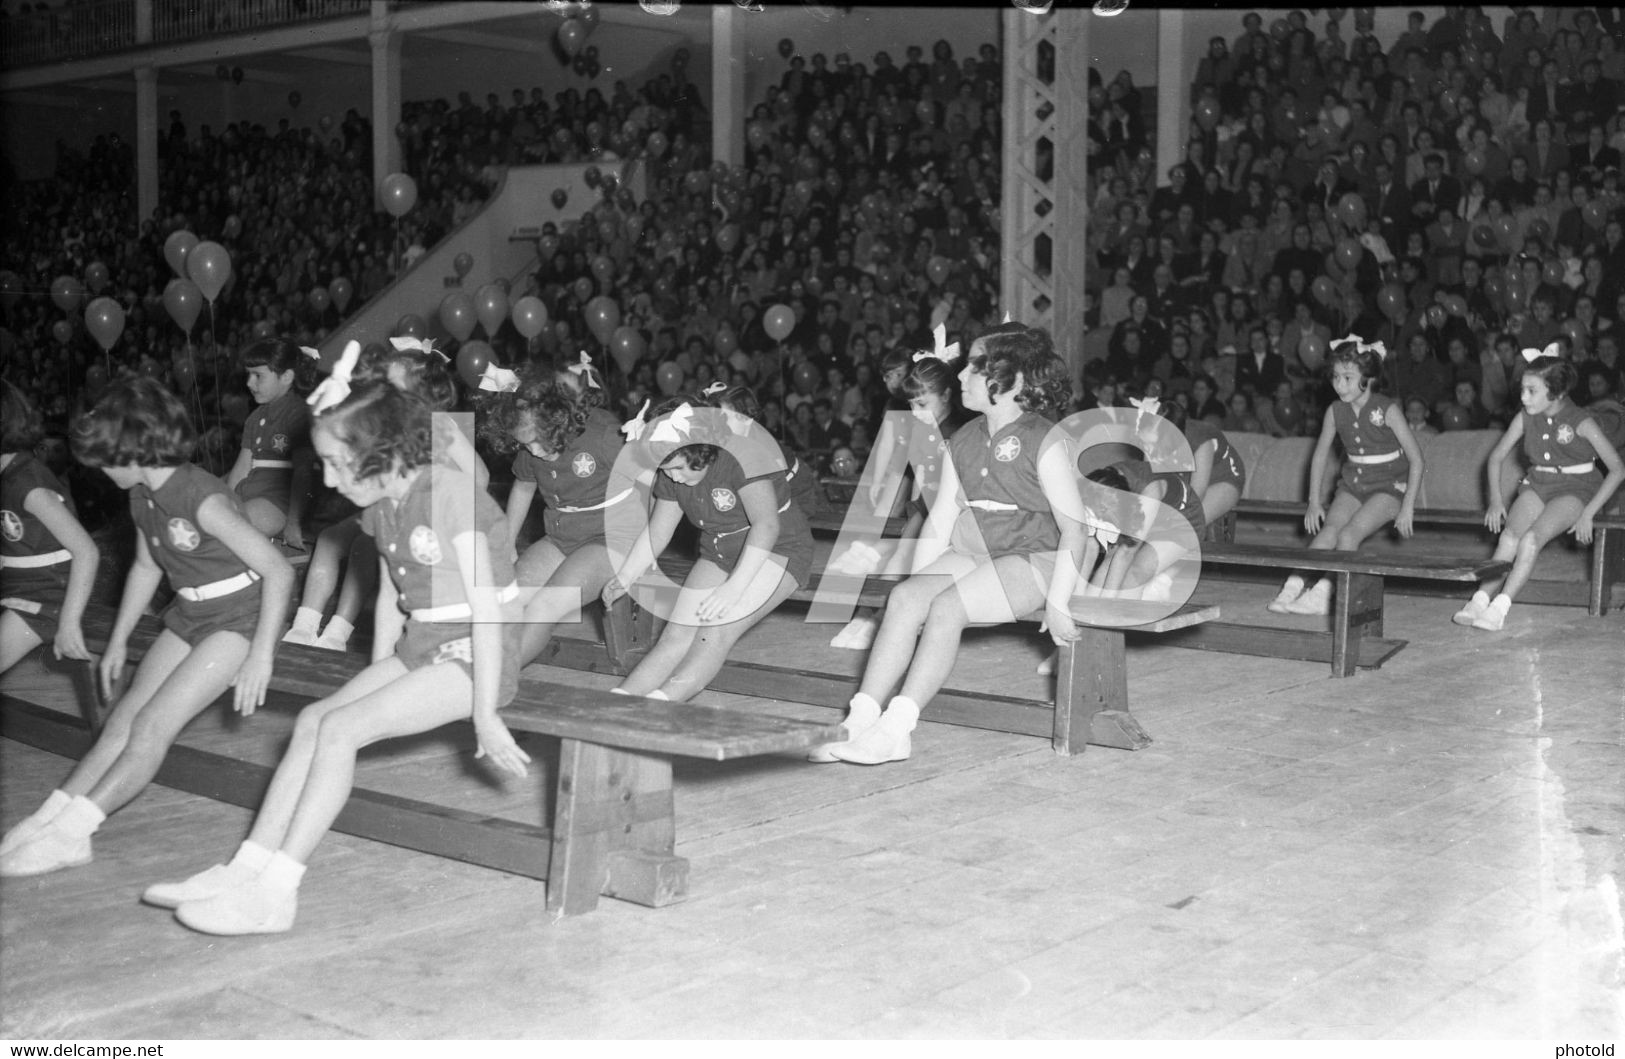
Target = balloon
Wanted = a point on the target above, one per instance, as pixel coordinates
(1494, 285)
(95, 377)
(1484, 236)
(1312, 350)
(319, 299)
(233, 227)
(62, 331)
(1391, 300)
(209, 266)
(1505, 229)
(1539, 228)
(471, 362)
(399, 194)
(1454, 417)
(96, 276)
(104, 318)
(1475, 161)
(627, 345)
(1455, 305)
(727, 238)
(1436, 316)
(263, 329)
(591, 176)
(411, 326)
(529, 316)
(657, 144)
(184, 302)
(669, 377)
(805, 377)
(1207, 114)
(937, 270)
(726, 341)
(603, 268)
(560, 197)
(457, 315)
(589, 19)
(571, 36)
(341, 291)
(787, 47)
(1351, 208)
(1595, 213)
(779, 321)
(67, 293)
(582, 289)
(1323, 289)
(491, 307)
(1348, 254)
(603, 317)
(885, 279)
(1552, 272)
(463, 264)
(176, 247)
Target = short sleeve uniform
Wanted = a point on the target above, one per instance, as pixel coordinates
(575, 487)
(24, 539)
(1227, 462)
(1561, 462)
(272, 434)
(715, 508)
(192, 559)
(1177, 493)
(927, 454)
(1375, 462)
(414, 538)
(1005, 499)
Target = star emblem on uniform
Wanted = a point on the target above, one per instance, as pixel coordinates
(1376, 417)
(1007, 450)
(280, 443)
(11, 526)
(723, 499)
(1565, 434)
(183, 536)
(424, 545)
(583, 465)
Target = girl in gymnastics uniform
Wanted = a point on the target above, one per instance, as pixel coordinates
(567, 447)
(443, 651)
(1218, 475)
(1381, 472)
(231, 587)
(1005, 537)
(1563, 489)
(755, 547)
(804, 484)
(47, 560)
(271, 472)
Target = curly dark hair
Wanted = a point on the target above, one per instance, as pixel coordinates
(1369, 361)
(554, 413)
(423, 375)
(385, 429)
(137, 422)
(280, 355)
(1014, 349)
(1558, 374)
(21, 428)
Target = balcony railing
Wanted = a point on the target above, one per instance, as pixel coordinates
(97, 27)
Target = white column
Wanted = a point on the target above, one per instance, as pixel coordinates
(386, 105)
(146, 142)
(143, 21)
(1173, 91)
(727, 85)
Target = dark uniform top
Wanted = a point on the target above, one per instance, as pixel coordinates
(274, 432)
(714, 506)
(997, 472)
(579, 479)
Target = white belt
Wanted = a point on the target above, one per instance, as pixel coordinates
(992, 505)
(1573, 468)
(616, 499)
(741, 529)
(457, 611)
(1387, 457)
(216, 589)
(25, 562)
(282, 465)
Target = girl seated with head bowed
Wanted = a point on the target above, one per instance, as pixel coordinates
(565, 446)
(1381, 471)
(1005, 537)
(272, 472)
(727, 478)
(1563, 490)
(231, 587)
(443, 649)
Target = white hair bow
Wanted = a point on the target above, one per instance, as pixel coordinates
(633, 428)
(421, 345)
(715, 388)
(675, 426)
(498, 380)
(1532, 355)
(1363, 346)
(1144, 406)
(336, 387)
(584, 369)
(942, 351)
(311, 353)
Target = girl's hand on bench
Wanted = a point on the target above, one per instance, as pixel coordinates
(1583, 528)
(1495, 517)
(251, 683)
(1406, 522)
(613, 589)
(496, 743)
(719, 605)
(111, 667)
(1314, 518)
(1059, 624)
(70, 642)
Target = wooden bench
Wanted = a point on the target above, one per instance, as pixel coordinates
(1606, 569)
(1091, 702)
(614, 826)
(1356, 637)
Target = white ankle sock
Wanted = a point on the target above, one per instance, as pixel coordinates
(1502, 602)
(282, 872)
(1293, 586)
(904, 712)
(55, 802)
(338, 631)
(861, 712)
(619, 691)
(252, 855)
(307, 620)
(80, 817)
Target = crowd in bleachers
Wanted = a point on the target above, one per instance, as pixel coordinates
(1454, 193)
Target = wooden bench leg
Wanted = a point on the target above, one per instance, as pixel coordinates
(629, 632)
(88, 690)
(614, 830)
(1607, 566)
(1091, 695)
(1356, 612)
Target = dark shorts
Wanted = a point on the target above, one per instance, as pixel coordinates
(1229, 471)
(271, 484)
(1549, 485)
(1366, 480)
(569, 530)
(725, 551)
(196, 622)
(46, 585)
(437, 643)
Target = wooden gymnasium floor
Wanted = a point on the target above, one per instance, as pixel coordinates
(1430, 850)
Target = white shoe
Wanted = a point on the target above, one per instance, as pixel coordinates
(203, 885)
(881, 742)
(1494, 617)
(51, 849)
(1046, 668)
(32, 824)
(1317, 600)
(1474, 609)
(1282, 602)
(253, 908)
(299, 636)
(331, 643)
